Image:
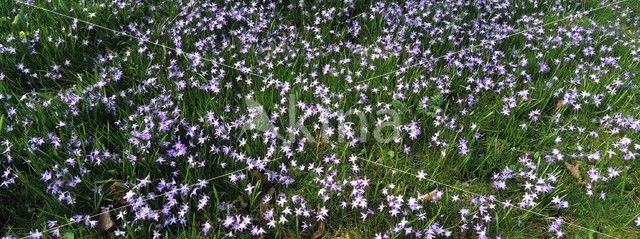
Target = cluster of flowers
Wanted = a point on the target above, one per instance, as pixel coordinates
(214, 99)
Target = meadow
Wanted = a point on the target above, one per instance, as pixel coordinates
(319, 119)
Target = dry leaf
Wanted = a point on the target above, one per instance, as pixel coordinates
(320, 231)
(559, 104)
(116, 191)
(575, 172)
(240, 202)
(104, 221)
(265, 206)
(346, 234)
(429, 196)
(257, 175)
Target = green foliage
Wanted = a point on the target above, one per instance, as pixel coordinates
(20, 20)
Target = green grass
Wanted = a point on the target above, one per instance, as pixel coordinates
(26, 205)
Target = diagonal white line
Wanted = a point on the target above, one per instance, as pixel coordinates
(158, 45)
(150, 42)
(144, 200)
(179, 52)
(480, 195)
(502, 39)
(260, 76)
